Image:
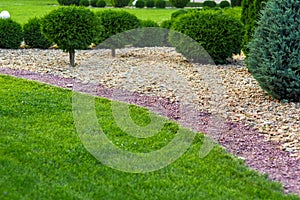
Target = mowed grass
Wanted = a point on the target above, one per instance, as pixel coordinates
(42, 156)
(22, 10)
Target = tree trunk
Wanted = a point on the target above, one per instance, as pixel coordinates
(113, 52)
(72, 58)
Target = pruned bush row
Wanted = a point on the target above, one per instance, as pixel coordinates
(11, 34)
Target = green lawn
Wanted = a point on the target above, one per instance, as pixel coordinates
(42, 156)
(22, 10)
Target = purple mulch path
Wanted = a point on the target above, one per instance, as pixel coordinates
(259, 154)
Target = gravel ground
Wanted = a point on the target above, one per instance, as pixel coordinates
(260, 130)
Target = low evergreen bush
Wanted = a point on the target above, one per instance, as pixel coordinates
(179, 3)
(94, 3)
(160, 4)
(140, 4)
(69, 2)
(149, 23)
(120, 3)
(84, 3)
(224, 4)
(11, 34)
(210, 4)
(208, 29)
(33, 36)
(100, 3)
(273, 57)
(235, 3)
(166, 24)
(178, 13)
(150, 3)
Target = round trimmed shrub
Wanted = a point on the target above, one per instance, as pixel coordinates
(100, 3)
(274, 59)
(160, 4)
(235, 3)
(33, 36)
(209, 28)
(179, 3)
(120, 3)
(178, 13)
(149, 23)
(70, 28)
(224, 4)
(250, 14)
(11, 34)
(84, 3)
(140, 4)
(150, 3)
(210, 4)
(69, 2)
(166, 24)
(93, 3)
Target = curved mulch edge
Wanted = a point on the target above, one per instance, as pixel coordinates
(239, 139)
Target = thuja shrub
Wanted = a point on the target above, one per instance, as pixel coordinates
(33, 36)
(166, 24)
(179, 3)
(11, 34)
(69, 2)
(235, 3)
(178, 13)
(93, 3)
(208, 28)
(140, 4)
(250, 14)
(149, 23)
(101, 4)
(70, 28)
(160, 4)
(224, 4)
(150, 3)
(210, 4)
(120, 3)
(84, 3)
(273, 57)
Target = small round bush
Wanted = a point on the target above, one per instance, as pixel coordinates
(140, 4)
(219, 34)
(210, 4)
(166, 24)
(235, 3)
(160, 4)
(11, 34)
(273, 58)
(84, 3)
(179, 3)
(150, 3)
(178, 13)
(100, 3)
(93, 3)
(33, 36)
(70, 28)
(120, 3)
(224, 4)
(149, 23)
(69, 2)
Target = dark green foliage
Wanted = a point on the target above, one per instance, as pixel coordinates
(140, 4)
(149, 23)
(179, 3)
(194, 4)
(69, 2)
(101, 3)
(166, 24)
(33, 36)
(235, 3)
(70, 28)
(11, 34)
(208, 28)
(224, 4)
(210, 4)
(120, 3)
(178, 13)
(150, 3)
(84, 3)
(250, 14)
(160, 4)
(94, 3)
(274, 59)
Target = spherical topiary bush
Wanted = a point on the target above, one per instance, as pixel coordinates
(219, 34)
(179, 3)
(160, 4)
(140, 4)
(120, 3)
(69, 2)
(11, 34)
(210, 4)
(150, 3)
(178, 13)
(101, 4)
(224, 4)
(273, 58)
(149, 23)
(84, 3)
(33, 36)
(166, 24)
(70, 28)
(235, 3)
(93, 3)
